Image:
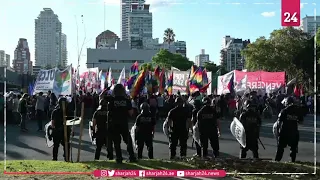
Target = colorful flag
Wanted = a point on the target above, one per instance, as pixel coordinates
(149, 81)
(170, 84)
(196, 80)
(134, 71)
(162, 83)
(138, 84)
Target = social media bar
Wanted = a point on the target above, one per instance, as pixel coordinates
(159, 173)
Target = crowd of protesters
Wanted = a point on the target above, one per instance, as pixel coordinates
(21, 108)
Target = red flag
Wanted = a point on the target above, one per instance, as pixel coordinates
(204, 88)
(296, 91)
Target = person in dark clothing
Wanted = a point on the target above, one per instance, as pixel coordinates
(208, 127)
(23, 110)
(194, 120)
(145, 123)
(178, 121)
(251, 122)
(119, 110)
(288, 121)
(100, 120)
(58, 130)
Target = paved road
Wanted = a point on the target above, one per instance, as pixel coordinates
(32, 145)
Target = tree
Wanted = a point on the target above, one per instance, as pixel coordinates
(169, 36)
(278, 52)
(166, 59)
(146, 66)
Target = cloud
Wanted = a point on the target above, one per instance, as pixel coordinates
(268, 14)
(302, 5)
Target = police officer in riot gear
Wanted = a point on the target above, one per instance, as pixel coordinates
(145, 123)
(251, 122)
(119, 109)
(100, 120)
(178, 120)
(288, 118)
(197, 107)
(58, 130)
(209, 127)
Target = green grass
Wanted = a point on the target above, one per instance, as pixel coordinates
(230, 165)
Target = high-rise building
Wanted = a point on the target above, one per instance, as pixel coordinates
(125, 9)
(310, 24)
(139, 25)
(230, 54)
(180, 48)
(8, 60)
(202, 58)
(48, 39)
(106, 40)
(64, 52)
(21, 61)
(4, 59)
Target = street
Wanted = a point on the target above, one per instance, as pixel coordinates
(32, 145)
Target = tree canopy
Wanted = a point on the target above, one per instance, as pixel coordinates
(287, 49)
(211, 66)
(169, 36)
(166, 59)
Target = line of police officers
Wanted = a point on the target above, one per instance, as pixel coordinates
(111, 125)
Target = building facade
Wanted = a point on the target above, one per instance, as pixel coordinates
(48, 39)
(125, 9)
(4, 59)
(230, 54)
(117, 59)
(64, 51)
(310, 24)
(202, 58)
(139, 25)
(106, 40)
(22, 63)
(36, 70)
(180, 48)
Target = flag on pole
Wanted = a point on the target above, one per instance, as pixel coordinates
(162, 83)
(109, 77)
(196, 80)
(242, 85)
(138, 84)
(122, 77)
(170, 84)
(134, 71)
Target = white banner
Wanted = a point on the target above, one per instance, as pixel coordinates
(223, 82)
(54, 80)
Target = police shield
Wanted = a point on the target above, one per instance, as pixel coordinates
(133, 136)
(165, 128)
(48, 130)
(91, 135)
(196, 133)
(238, 131)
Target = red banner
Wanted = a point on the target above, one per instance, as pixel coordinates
(262, 79)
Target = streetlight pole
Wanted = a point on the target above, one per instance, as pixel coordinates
(5, 116)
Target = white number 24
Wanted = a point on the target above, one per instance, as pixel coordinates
(290, 17)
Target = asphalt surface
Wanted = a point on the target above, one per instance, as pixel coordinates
(32, 145)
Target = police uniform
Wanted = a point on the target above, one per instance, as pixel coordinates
(178, 123)
(100, 120)
(288, 119)
(251, 122)
(208, 128)
(197, 106)
(118, 109)
(58, 130)
(145, 123)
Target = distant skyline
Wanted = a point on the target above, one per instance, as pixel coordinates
(201, 23)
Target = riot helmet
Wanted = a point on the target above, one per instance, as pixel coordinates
(249, 105)
(119, 90)
(288, 101)
(206, 101)
(197, 104)
(61, 100)
(103, 104)
(179, 102)
(144, 107)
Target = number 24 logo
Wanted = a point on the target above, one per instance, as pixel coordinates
(290, 17)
